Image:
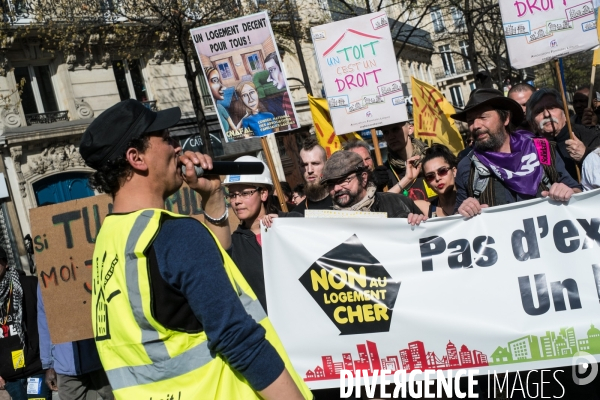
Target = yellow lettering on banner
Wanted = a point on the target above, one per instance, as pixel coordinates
(361, 313)
(342, 278)
(361, 277)
(336, 315)
(319, 280)
(373, 283)
(18, 359)
(352, 313)
(368, 313)
(381, 312)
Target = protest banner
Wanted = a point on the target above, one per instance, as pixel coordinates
(357, 61)
(63, 240)
(538, 32)
(515, 288)
(246, 78)
(432, 117)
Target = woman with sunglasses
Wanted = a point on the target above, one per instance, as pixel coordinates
(439, 169)
(250, 199)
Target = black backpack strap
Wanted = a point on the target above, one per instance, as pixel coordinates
(481, 178)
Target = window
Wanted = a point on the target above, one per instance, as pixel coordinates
(253, 62)
(464, 50)
(447, 60)
(473, 86)
(38, 93)
(438, 20)
(225, 70)
(130, 80)
(458, 18)
(457, 97)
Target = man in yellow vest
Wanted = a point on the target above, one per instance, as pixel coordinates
(173, 317)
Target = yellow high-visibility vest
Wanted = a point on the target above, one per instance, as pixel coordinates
(142, 358)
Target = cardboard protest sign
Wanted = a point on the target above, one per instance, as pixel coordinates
(539, 31)
(245, 76)
(358, 65)
(513, 289)
(63, 240)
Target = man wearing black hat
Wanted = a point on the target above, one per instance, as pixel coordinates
(504, 166)
(351, 188)
(545, 114)
(171, 312)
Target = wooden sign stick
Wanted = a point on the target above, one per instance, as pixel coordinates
(566, 109)
(271, 165)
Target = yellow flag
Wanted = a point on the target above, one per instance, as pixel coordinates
(431, 113)
(325, 134)
(596, 60)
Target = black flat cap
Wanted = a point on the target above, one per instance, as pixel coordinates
(107, 136)
(493, 98)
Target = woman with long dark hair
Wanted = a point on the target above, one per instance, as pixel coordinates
(439, 170)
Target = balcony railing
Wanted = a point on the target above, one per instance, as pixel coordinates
(47, 118)
(150, 104)
(459, 69)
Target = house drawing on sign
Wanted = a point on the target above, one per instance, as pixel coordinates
(353, 32)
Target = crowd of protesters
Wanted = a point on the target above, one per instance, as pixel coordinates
(518, 147)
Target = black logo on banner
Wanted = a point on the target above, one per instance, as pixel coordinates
(353, 288)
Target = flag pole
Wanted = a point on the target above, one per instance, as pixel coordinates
(566, 109)
(271, 165)
(376, 145)
(592, 91)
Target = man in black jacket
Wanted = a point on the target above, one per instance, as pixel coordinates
(545, 114)
(21, 372)
(349, 184)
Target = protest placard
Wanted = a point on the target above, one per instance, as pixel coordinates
(515, 288)
(246, 77)
(540, 31)
(357, 61)
(63, 240)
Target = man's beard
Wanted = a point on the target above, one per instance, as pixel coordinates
(493, 143)
(352, 198)
(314, 191)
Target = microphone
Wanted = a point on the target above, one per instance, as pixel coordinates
(229, 168)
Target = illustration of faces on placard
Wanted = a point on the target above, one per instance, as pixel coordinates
(255, 103)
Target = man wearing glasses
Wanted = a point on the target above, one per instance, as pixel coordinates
(351, 188)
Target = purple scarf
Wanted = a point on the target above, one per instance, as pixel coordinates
(520, 170)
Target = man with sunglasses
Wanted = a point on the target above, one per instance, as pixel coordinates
(351, 188)
(171, 312)
(545, 113)
(505, 165)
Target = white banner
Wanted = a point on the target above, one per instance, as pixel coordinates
(537, 31)
(515, 288)
(360, 73)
